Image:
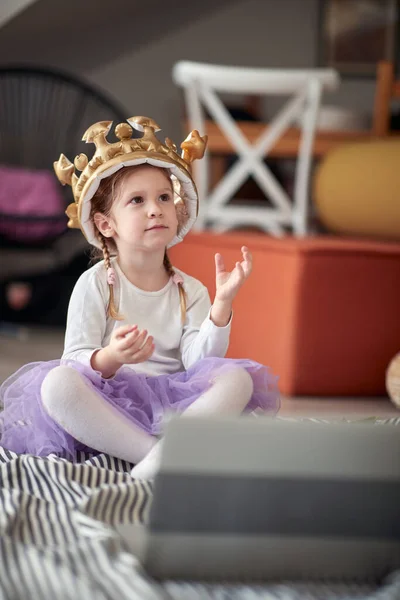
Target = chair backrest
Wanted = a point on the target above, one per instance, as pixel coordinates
(250, 80)
(43, 113)
(202, 83)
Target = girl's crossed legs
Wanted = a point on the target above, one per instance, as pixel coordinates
(85, 415)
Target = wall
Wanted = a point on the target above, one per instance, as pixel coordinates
(128, 47)
(276, 33)
(10, 8)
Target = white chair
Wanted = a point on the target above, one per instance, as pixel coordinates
(201, 84)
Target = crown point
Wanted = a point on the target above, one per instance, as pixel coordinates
(100, 128)
(72, 214)
(81, 161)
(123, 131)
(170, 144)
(194, 146)
(64, 170)
(140, 123)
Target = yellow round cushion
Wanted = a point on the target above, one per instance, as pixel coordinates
(357, 189)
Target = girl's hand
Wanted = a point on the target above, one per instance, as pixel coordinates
(229, 283)
(129, 346)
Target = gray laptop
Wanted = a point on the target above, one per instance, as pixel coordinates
(265, 499)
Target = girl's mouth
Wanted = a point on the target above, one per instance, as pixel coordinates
(157, 227)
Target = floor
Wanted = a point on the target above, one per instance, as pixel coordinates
(23, 345)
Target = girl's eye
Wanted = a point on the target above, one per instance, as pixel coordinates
(165, 197)
(137, 200)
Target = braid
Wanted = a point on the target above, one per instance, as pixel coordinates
(182, 295)
(111, 308)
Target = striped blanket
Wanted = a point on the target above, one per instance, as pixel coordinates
(57, 539)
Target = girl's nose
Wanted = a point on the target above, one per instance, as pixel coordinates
(155, 210)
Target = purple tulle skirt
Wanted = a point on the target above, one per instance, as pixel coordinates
(26, 428)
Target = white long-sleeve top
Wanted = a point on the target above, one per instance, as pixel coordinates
(177, 345)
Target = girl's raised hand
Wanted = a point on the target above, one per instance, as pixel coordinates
(228, 283)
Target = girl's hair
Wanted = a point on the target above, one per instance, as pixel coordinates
(102, 202)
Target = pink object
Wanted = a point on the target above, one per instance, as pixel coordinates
(111, 277)
(177, 279)
(28, 193)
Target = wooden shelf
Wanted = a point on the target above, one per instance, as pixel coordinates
(288, 144)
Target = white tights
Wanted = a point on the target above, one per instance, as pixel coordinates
(83, 413)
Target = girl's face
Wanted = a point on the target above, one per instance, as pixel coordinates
(143, 215)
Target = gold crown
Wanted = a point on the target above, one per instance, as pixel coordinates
(108, 154)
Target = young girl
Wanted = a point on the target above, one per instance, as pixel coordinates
(142, 338)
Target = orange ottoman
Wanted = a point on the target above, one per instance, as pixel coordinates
(322, 312)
